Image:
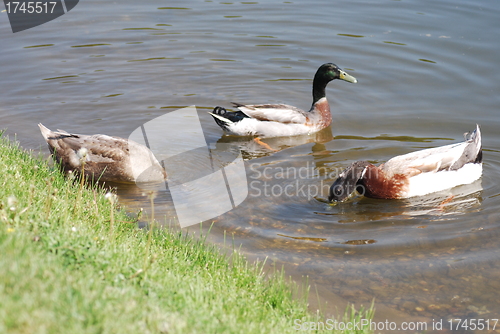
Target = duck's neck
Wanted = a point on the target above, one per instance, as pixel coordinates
(376, 184)
(320, 107)
(319, 86)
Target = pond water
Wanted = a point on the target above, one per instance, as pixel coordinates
(427, 72)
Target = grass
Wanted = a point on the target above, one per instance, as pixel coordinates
(71, 262)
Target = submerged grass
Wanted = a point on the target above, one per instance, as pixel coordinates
(71, 262)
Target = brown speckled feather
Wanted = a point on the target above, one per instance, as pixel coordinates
(106, 158)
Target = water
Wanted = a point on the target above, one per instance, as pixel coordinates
(427, 73)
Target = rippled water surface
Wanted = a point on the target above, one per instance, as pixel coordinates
(427, 72)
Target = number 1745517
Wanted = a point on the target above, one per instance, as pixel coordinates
(30, 7)
(473, 324)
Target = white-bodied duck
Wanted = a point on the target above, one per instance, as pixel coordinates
(103, 157)
(276, 120)
(414, 174)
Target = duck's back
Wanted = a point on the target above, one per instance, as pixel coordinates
(439, 168)
(103, 157)
(449, 157)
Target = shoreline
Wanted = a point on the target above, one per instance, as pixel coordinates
(74, 263)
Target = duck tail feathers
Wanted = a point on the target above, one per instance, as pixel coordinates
(473, 151)
(475, 138)
(45, 131)
(477, 134)
(219, 115)
(226, 118)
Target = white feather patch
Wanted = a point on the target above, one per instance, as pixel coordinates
(427, 183)
(223, 119)
(251, 126)
(281, 113)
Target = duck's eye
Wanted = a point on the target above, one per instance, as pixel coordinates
(338, 190)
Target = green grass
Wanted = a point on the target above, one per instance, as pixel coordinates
(64, 269)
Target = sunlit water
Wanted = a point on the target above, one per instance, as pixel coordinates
(427, 72)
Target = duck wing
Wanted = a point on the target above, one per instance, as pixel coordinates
(281, 113)
(449, 157)
(100, 148)
(107, 158)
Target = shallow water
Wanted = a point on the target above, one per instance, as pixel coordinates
(427, 73)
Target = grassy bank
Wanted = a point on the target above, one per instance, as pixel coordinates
(72, 263)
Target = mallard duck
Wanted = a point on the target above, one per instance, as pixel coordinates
(103, 157)
(414, 174)
(276, 120)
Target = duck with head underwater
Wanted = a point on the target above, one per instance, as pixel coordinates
(414, 174)
(276, 120)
